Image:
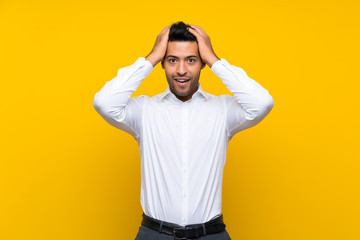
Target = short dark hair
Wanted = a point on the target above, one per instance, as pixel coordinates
(178, 32)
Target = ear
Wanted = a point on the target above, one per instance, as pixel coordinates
(203, 64)
(162, 64)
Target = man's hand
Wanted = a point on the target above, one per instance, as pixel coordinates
(207, 53)
(159, 49)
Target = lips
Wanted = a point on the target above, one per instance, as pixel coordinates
(182, 79)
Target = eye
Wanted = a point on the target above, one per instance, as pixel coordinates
(172, 60)
(191, 60)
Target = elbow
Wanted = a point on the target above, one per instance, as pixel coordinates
(99, 102)
(100, 105)
(112, 114)
(96, 102)
(266, 106)
(262, 109)
(269, 103)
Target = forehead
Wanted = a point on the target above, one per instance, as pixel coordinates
(182, 49)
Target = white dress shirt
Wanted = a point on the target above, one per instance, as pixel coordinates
(182, 144)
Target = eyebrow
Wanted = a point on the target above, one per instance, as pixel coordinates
(172, 56)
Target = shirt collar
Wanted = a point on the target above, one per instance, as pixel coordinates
(199, 91)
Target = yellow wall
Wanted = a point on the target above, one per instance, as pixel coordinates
(67, 174)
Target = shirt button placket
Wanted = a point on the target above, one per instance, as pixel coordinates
(185, 160)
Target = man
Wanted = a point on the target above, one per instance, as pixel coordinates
(183, 133)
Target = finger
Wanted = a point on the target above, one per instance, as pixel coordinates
(165, 28)
(195, 28)
(191, 27)
(199, 30)
(193, 31)
(196, 34)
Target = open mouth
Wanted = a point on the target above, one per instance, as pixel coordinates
(182, 80)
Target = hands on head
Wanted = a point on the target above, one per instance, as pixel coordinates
(206, 51)
(159, 49)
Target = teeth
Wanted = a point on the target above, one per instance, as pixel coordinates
(182, 80)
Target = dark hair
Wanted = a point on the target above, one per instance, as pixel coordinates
(178, 32)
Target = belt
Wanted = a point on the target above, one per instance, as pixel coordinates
(184, 232)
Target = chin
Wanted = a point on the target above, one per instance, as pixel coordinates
(183, 94)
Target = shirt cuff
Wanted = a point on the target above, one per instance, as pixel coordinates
(142, 62)
(219, 62)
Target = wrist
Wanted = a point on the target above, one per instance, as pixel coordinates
(212, 60)
(152, 59)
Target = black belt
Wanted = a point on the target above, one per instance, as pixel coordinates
(189, 231)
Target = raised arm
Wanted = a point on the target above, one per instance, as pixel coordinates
(113, 101)
(251, 102)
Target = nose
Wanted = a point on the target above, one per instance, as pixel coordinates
(181, 68)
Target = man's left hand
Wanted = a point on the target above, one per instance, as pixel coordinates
(207, 53)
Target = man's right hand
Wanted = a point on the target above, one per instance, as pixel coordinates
(159, 49)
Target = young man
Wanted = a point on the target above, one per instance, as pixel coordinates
(183, 133)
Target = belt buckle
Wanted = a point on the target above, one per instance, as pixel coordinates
(176, 229)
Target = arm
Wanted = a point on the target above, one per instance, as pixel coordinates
(113, 101)
(251, 102)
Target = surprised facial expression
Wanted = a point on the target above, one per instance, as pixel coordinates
(182, 64)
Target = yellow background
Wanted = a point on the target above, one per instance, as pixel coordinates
(67, 174)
